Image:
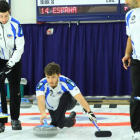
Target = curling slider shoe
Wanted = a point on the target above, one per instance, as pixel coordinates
(2, 127)
(45, 130)
(16, 125)
(100, 133)
(25, 103)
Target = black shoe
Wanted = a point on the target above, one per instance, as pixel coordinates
(73, 116)
(2, 127)
(16, 125)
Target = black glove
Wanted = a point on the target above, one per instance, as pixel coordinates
(5, 71)
(90, 115)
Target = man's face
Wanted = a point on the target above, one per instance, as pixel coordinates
(52, 80)
(4, 17)
(132, 3)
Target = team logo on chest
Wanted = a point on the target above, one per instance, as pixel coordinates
(9, 36)
(59, 92)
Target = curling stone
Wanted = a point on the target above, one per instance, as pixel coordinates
(25, 103)
(45, 130)
(35, 102)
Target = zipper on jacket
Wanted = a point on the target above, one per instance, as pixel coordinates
(3, 35)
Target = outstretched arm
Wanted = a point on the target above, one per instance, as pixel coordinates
(41, 106)
(79, 97)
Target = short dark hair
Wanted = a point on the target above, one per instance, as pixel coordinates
(4, 6)
(51, 69)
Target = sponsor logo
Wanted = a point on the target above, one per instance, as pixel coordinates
(133, 17)
(76, 89)
(70, 82)
(21, 31)
(132, 22)
(40, 85)
(110, 1)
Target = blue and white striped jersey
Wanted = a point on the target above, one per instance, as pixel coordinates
(133, 30)
(11, 41)
(53, 96)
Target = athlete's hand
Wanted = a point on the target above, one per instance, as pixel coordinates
(43, 116)
(5, 71)
(126, 60)
(90, 115)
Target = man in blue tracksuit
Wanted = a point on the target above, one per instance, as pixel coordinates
(11, 50)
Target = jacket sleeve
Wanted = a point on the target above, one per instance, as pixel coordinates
(127, 18)
(18, 47)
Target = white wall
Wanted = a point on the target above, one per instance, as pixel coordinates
(24, 10)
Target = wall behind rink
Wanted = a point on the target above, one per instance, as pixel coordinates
(89, 54)
(24, 10)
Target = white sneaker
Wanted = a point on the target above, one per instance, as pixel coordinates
(136, 136)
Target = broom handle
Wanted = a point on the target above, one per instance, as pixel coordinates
(92, 121)
(96, 125)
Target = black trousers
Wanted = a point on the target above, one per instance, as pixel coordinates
(135, 104)
(14, 86)
(67, 102)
